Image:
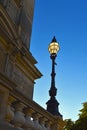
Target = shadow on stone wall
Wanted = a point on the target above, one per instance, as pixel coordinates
(5, 126)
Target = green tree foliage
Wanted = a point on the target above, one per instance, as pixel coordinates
(68, 124)
(81, 123)
(83, 111)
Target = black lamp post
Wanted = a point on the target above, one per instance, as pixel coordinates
(52, 104)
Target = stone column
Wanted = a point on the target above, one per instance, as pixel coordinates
(19, 118)
(9, 112)
(42, 122)
(29, 124)
(37, 125)
(59, 123)
(48, 125)
(4, 94)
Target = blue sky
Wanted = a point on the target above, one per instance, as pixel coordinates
(67, 20)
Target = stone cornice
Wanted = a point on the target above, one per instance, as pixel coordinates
(27, 67)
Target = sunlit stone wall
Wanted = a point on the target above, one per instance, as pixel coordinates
(21, 13)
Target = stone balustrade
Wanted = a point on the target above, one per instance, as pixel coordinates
(24, 116)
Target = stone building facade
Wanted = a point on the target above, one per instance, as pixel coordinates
(18, 71)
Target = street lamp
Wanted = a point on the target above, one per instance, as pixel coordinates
(52, 104)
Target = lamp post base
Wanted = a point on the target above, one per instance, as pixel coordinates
(52, 106)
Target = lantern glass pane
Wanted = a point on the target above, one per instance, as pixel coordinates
(53, 47)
